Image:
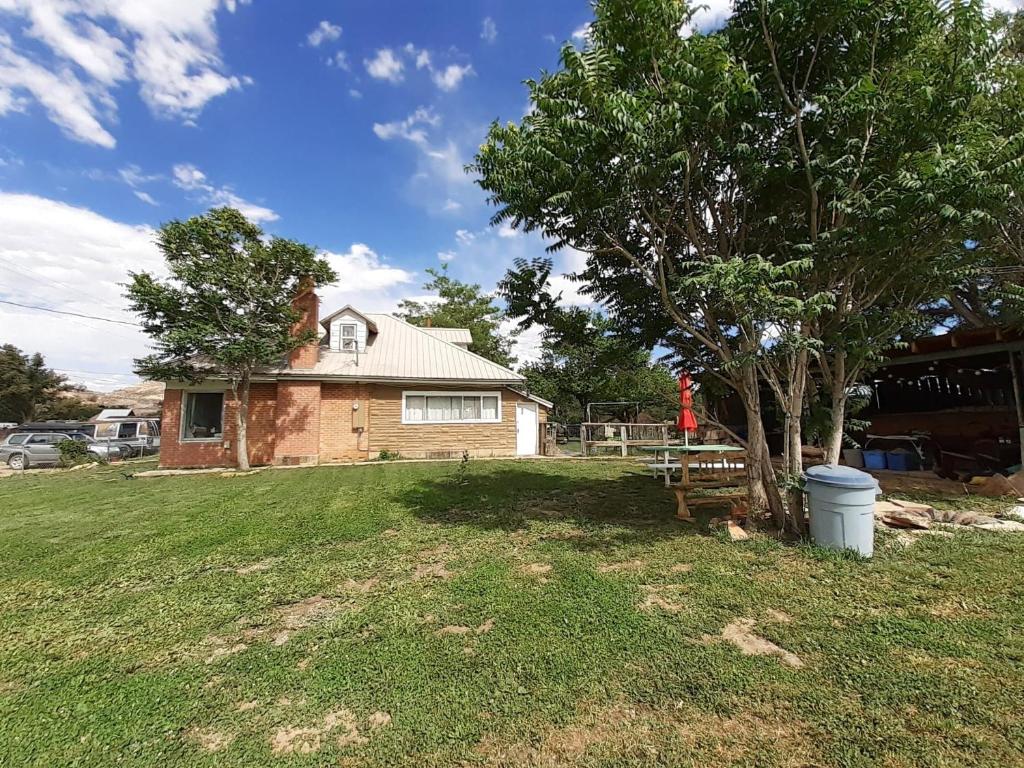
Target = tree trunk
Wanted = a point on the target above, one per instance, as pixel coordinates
(834, 444)
(794, 408)
(764, 491)
(241, 421)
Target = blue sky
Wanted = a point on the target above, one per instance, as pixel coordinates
(342, 124)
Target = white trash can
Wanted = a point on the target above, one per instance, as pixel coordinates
(841, 502)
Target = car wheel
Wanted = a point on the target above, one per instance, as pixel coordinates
(16, 461)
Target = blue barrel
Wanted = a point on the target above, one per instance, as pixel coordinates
(841, 501)
(874, 459)
(901, 461)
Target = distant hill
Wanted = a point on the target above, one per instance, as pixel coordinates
(145, 398)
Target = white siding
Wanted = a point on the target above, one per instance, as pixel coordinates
(348, 319)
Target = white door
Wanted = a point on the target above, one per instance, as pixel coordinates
(526, 429)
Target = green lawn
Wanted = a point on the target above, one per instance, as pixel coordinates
(520, 613)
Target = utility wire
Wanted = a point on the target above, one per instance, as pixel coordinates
(72, 314)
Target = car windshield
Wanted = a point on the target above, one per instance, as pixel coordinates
(82, 437)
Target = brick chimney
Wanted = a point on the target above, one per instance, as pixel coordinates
(307, 304)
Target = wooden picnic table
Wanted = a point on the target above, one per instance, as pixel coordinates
(725, 479)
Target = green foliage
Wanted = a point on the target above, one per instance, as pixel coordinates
(28, 389)
(73, 452)
(386, 455)
(462, 305)
(227, 304)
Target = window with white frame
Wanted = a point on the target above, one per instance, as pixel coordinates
(451, 408)
(348, 337)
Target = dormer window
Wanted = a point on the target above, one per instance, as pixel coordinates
(348, 337)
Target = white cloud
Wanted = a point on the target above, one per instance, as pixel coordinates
(464, 236)
(64, 97)
(324, 32)
(72, 259)
(409, 128)
(449, 78)
(145, 197)
(452, 205)
(445, 256)
(385, 66)
(505, 230)
(421, 56)
(526, 344)
(355, 93)
(186, 176)
(489, 30)
(709, 16)
(446, 78)
(133, 176)
(339, 60)
(366, 281)
(169, 48)
(582, 33)
(1005, 6)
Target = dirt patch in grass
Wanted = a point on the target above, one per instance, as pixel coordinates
(662, 597)
(378, 720)
(257, 567)
(223, 650)
(779, 617)
(363, 587)
(302, 613)
(535, 569)
(563, 746)
(741, 634)
(454, 629)
(633, 566)
(340, 725)
(431, 571)
(681, 568)
(245, 706)
(210, 740)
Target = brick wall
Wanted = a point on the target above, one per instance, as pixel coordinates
(297, 422)
(260, 432)
(339, 440)
(309, 421)
(308, 305)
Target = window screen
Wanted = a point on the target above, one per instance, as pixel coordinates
(203, 416)
(454, 408)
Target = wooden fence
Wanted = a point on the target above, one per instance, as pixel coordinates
(595, 436)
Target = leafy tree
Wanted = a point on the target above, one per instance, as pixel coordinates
(462, 305)
(27, 387)
(648, 151)
(583, 361)
(882, 168)
(226, 308)
(762, 199)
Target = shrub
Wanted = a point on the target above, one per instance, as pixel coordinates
(73, 452)
(386, 455)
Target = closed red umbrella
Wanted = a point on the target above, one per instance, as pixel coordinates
(687, 422)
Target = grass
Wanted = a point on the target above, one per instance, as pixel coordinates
(520, 613)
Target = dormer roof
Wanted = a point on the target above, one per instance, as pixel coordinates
(349, 309)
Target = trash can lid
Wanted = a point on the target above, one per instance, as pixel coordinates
(840, 476)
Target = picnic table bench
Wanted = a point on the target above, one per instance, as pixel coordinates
(710, 475)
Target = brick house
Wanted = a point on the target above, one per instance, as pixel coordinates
(372, 383)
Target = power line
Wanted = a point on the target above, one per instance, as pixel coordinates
(71, 314)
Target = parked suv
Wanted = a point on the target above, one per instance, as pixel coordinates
(40, 449)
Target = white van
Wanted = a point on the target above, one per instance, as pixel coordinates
(141, 435)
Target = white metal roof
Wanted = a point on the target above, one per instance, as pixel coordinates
(114, 413)
(451, 335)
(403, 352)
